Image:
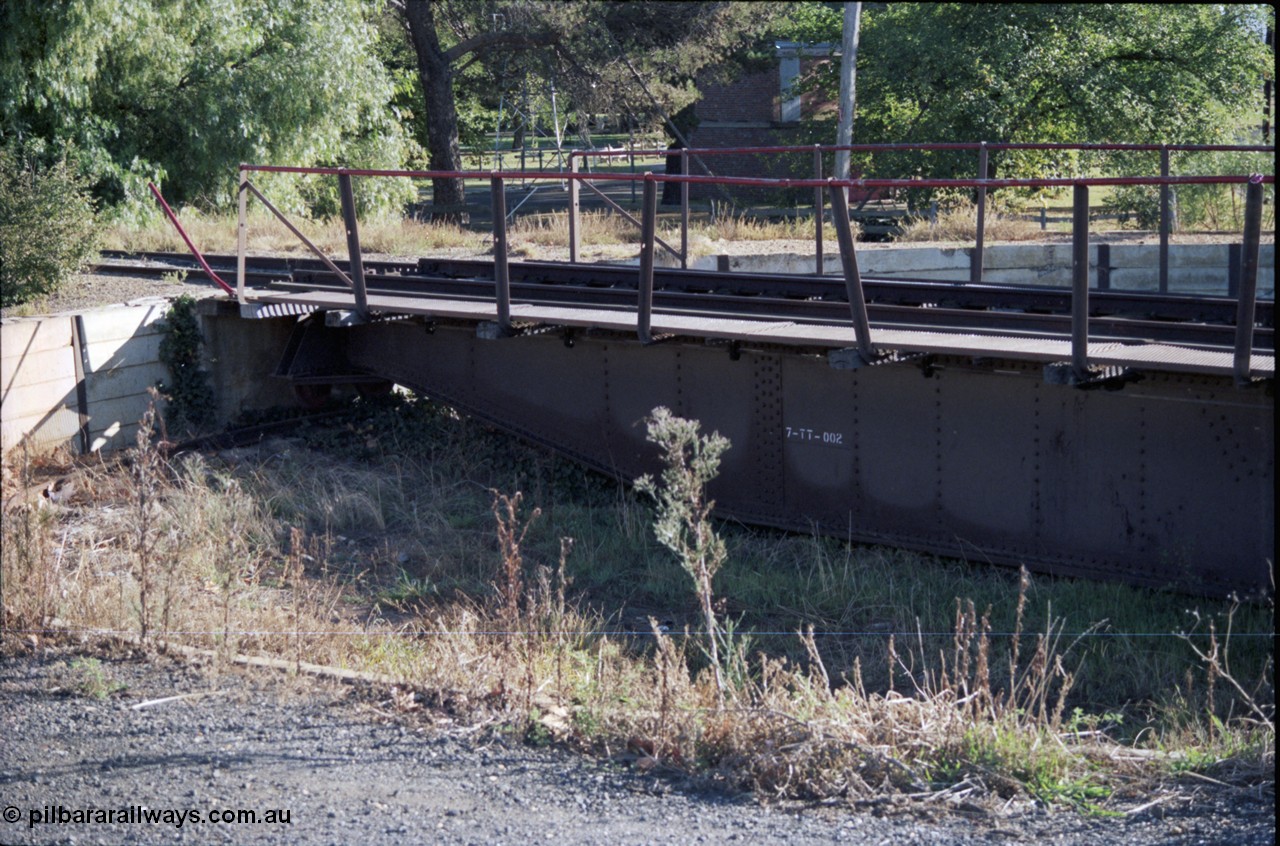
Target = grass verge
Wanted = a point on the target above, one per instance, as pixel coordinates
(508, 586)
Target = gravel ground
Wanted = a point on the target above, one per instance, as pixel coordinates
(347, 768)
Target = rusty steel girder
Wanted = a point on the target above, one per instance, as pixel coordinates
(1166, 481)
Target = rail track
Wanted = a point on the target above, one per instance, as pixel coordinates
(1201, 322)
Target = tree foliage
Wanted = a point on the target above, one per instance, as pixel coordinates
(1171, 73)
(184, 90)
(181, 91)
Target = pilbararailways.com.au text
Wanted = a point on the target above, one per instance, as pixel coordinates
(143, 815)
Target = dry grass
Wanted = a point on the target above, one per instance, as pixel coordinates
(216, 233)
(413, 563)
(960, 223)
(529, 234)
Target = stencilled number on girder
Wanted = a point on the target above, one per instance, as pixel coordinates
(804, 435)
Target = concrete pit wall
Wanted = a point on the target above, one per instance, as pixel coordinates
(81, 379)
(1193, 268)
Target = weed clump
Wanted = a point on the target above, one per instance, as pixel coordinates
(683, 523)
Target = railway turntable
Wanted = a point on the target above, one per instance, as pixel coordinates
(1105, 434)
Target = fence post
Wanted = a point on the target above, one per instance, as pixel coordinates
(852, 278)
(648, 227)
(575, 229)
(684, 210)
(1235, 256)
(501, 274)
(242, 234)
(1165, 221)
(817, 210)
(353, 242)
(975, 264)
(1080, 283)
(1248, 280)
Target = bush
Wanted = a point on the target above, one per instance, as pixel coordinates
(47, 230)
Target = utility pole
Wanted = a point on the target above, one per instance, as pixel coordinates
(848, 74)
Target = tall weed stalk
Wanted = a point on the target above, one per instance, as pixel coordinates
(683, 521)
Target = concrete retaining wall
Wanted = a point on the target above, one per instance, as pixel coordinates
(82, 378)
(38, 378)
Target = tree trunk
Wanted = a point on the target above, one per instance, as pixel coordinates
(436, 74)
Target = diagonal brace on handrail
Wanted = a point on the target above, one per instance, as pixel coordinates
(280, 215)
(629, 217)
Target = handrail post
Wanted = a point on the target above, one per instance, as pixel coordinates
(1248, 281)
(849, 263)
(684, 210)
(353, 242)
(1166, 224)
(242, 235)
(975, 264)
(648, 227)
(501, 273)
(575, 225)
(1080, 283)
(817, 210)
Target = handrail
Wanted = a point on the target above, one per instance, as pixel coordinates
(984, 148)
(785, 182)
(173, 218)
(838, 192)
(940, 146)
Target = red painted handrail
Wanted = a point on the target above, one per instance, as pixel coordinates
(1055, 182)
(173, 218)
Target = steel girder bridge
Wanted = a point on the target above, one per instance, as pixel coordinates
(1103, 434)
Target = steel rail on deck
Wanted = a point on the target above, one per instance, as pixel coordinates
(838, 189)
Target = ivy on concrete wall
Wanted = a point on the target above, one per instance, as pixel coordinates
(189, 395)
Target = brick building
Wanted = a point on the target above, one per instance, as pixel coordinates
(760, 110)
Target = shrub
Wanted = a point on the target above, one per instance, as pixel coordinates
(47, 230)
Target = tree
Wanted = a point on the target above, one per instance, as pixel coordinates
(438, 64)
(1054, 72)
(184, 91)
(634, 58)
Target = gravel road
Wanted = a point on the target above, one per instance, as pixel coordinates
(347, 768)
